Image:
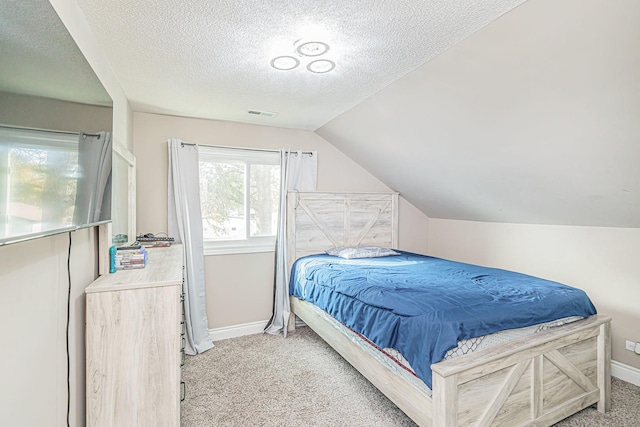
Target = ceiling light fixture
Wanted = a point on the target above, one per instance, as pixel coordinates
(321, 66)
(312, 48)
(305, 53)
(285, 63)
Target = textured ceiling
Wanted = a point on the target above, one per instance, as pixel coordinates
(38, 56)
(211, 59)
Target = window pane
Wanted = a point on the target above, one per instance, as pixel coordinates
(239, 199)
(265, 192)
(222, 199)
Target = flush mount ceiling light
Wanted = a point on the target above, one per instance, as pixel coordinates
(312, 48)
(320, 66)
(307, 53)
(285, 63)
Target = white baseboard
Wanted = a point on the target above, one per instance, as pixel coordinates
(235, 331)
(625, 372)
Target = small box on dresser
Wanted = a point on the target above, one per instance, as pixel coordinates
(133, 344)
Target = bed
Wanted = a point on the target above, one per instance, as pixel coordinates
(534, 380)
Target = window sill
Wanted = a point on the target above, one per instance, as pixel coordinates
(232, 248)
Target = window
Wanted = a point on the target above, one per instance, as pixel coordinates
(239, 198)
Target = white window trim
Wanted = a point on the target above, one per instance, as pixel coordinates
(230, 247)
(259, 244)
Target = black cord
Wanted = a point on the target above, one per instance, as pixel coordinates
(68, 319)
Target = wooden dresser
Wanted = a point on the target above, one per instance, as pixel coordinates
(133, 344)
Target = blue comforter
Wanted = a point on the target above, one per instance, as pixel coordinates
(422, 306)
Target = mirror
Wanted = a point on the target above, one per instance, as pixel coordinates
(124, 195)
(47, 88)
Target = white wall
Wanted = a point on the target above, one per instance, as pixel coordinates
(605, 262)
(240, 287)
(33, 308)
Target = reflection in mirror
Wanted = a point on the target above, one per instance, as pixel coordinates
(40, 58)
(48, 91)
(124, 195)
(41, 190)
(52, 182)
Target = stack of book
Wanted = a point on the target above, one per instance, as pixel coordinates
(129, 258)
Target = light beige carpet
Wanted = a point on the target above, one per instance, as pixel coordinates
(264, 380)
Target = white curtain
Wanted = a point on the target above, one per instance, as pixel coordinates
(185, 224)
(93, 193)
(298, 171)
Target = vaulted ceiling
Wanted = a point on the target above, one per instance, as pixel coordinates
(505, 111)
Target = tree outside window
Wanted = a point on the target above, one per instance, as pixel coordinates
(239, 193)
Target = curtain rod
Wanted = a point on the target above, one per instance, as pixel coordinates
(49, 130)
(240, 148)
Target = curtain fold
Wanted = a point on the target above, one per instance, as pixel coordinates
(93, 193)
(298, 171)
(185, 224)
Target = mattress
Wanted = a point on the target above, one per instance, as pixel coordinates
(425, 307)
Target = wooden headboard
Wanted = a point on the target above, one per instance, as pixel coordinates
(317, 221)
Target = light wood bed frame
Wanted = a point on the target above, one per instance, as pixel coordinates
(533, 381)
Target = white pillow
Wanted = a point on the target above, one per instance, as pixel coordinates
(351, 252)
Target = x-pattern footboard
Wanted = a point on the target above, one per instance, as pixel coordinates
(539, 381)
